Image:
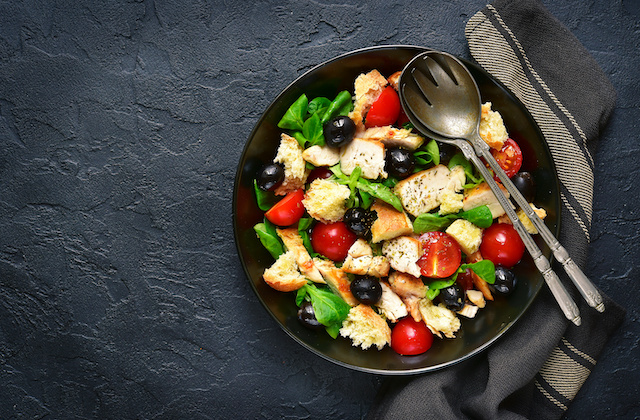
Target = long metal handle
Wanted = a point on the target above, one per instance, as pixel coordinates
(566, 303)
(580, 280)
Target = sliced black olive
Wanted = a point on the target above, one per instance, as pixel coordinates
(447, 151)
(525, 184)
(359, 221)
(270, 177)
(505, 281)
(339, 131)
(307, 316)
(453, 296)
(366, 289)
(399, 162)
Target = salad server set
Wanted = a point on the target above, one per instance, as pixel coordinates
(442, 100)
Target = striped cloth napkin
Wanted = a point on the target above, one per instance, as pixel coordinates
(537, 368)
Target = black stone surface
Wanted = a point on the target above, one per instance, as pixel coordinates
(121, 123)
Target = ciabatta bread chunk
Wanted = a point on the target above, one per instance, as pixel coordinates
(295, 171)
(366, 328)
(284, 275)
(492, 129)
(528, 225)
(367, 88)
(326, 200)
(468, 235)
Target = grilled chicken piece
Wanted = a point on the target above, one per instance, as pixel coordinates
(360, 260)
(421, 192)
(336, 279)
(481, 195)
(440, 319)
(321, 155)
(293, 242)
(403, 253)
(394, 137)
(411, 290)
(390, 305)
(367, 154)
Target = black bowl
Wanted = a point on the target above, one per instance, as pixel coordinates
(476, 334)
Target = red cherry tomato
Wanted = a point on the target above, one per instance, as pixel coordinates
(441, 255)
(409, 337)
(319, 173)
(288, 210)
(502, 245)
(509, 158)
(332, 240)
(402, 118)
(385, 109)
(464, 280)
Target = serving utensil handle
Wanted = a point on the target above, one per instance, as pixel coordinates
(566, 303)
(586, 288)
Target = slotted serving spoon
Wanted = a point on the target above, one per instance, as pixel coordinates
(442, 100)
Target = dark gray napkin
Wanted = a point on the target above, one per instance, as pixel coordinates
(537, 368)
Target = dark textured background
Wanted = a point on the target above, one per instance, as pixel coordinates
(121, 124)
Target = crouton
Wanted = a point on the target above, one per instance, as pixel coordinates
(366, 328)
(528, 225)
(403, 252)
(283, 275)
(468, 235)
(367, 154)
(293, 242)
(390, 223)
(440, 319)
(481, 195)
(321, 155)
(492, 129)
(295, 171)
(326, 200)
(367, 88)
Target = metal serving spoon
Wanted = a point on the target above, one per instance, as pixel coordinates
(442, 99)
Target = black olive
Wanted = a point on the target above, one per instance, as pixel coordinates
(505, 281)
(447, 151)
(339, 131)
(399, 162)
(366, 289)
(453, 296)
(525, 184)
(270, 177)
(307, 316)
(359, 221)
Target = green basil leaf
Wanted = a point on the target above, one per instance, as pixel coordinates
(266, 232)
(429, 222)
(293, 119)
(265, 199)
(338, 106)
(312, 131)
(328, 307)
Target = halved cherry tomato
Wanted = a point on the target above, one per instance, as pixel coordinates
(409, 337)
(502, 245)
(385, 109)
(509, 158)
(464, 280)
(287, 211)
(332, 240)
(441, 255)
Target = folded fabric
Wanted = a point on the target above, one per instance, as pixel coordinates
(536, 369)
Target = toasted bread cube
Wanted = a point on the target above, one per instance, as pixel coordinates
(295, 171)
(283, 275)
(326, 200)
(468, 235)
(492, 129)
(366, 328)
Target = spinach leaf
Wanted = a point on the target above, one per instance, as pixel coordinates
(266, 232)
(341, 105)
(264, 199)
(312, 130)
(318, 106)
(329, 308)
(485, 269)
(303, 229)
(427, 222)
(293, 119)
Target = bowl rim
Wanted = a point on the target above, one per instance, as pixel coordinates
(397, 372)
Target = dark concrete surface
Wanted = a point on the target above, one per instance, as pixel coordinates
(121, 124)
